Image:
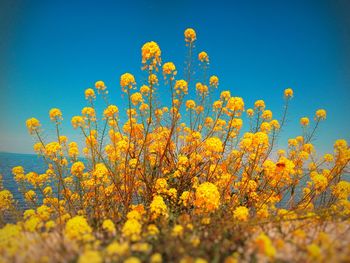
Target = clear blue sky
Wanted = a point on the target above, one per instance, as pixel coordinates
(50, 51)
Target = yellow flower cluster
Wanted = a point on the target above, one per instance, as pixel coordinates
(127, 80)
(33, 125)
(158, 207)
(6, 200)
(55, 114)
(304, 121)
(151, 54)
(77, 121)
(203, 57)
(132, 229)
(100, 85)
(321, 114)
(78, 229)
(241, 213)
(207, 197)
(169, 69)
(214, 81)
(181, 86)
(214, 144)
(111, 112)
(190, 35)
(90, 94)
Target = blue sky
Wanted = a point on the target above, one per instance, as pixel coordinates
(51, 51)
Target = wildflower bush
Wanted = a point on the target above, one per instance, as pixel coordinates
(179, 183)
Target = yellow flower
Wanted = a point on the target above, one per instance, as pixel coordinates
(77, 168)
(267, 115)
(184, 198)
(158, 207)
(207, 197)
(11, 240)
(341, 190)
(217, 105)
(202, 89)
(152, 79)
(181, 86)
(77, 121)
(88, 112)
(214, 81)
(33, 125)
(6, 200)
(264, 245)
(73, 150)
(190, 35)
(109, 226)
(132, 229)
(182, 160)
(250, 112)
(156, 258)
(225, 95)
(30, 196)
(265, 127)
(117, 249)
(203, 57)
(144, 89)
(152, 230)
(53, 149)
(177, 231)
(259, 104)
(90, 94)
(320, 181)
(340, 145)
(18, 173)
(314, 252)
(235, 104)
(136, 98)
(288, 93)
(111, 112)
(90, 256)
(236, 123)
(241, 213)
(77, 228)
(320, 114)
(47, 190)
(100, 85)
(304, 121)
(161, 185)
(132, 260)
(127, 80)
(169, 69)
(132, 163)
(214, 144)
(55, 114)
(190, 104)
(275, 124)
(328, 157)
(43, 212)
(151, 54)
(292, 142)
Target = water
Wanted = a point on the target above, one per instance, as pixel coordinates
(34, 163)
(30, 163)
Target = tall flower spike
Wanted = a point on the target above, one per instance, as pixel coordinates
(190, 35)
(151, 55)
(127, 81)
(33, 125)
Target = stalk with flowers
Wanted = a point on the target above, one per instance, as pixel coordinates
(184, 182)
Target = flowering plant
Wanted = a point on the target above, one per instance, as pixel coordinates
(179, 182)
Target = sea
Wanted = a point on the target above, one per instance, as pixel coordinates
(30, 163)
(35, 163)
